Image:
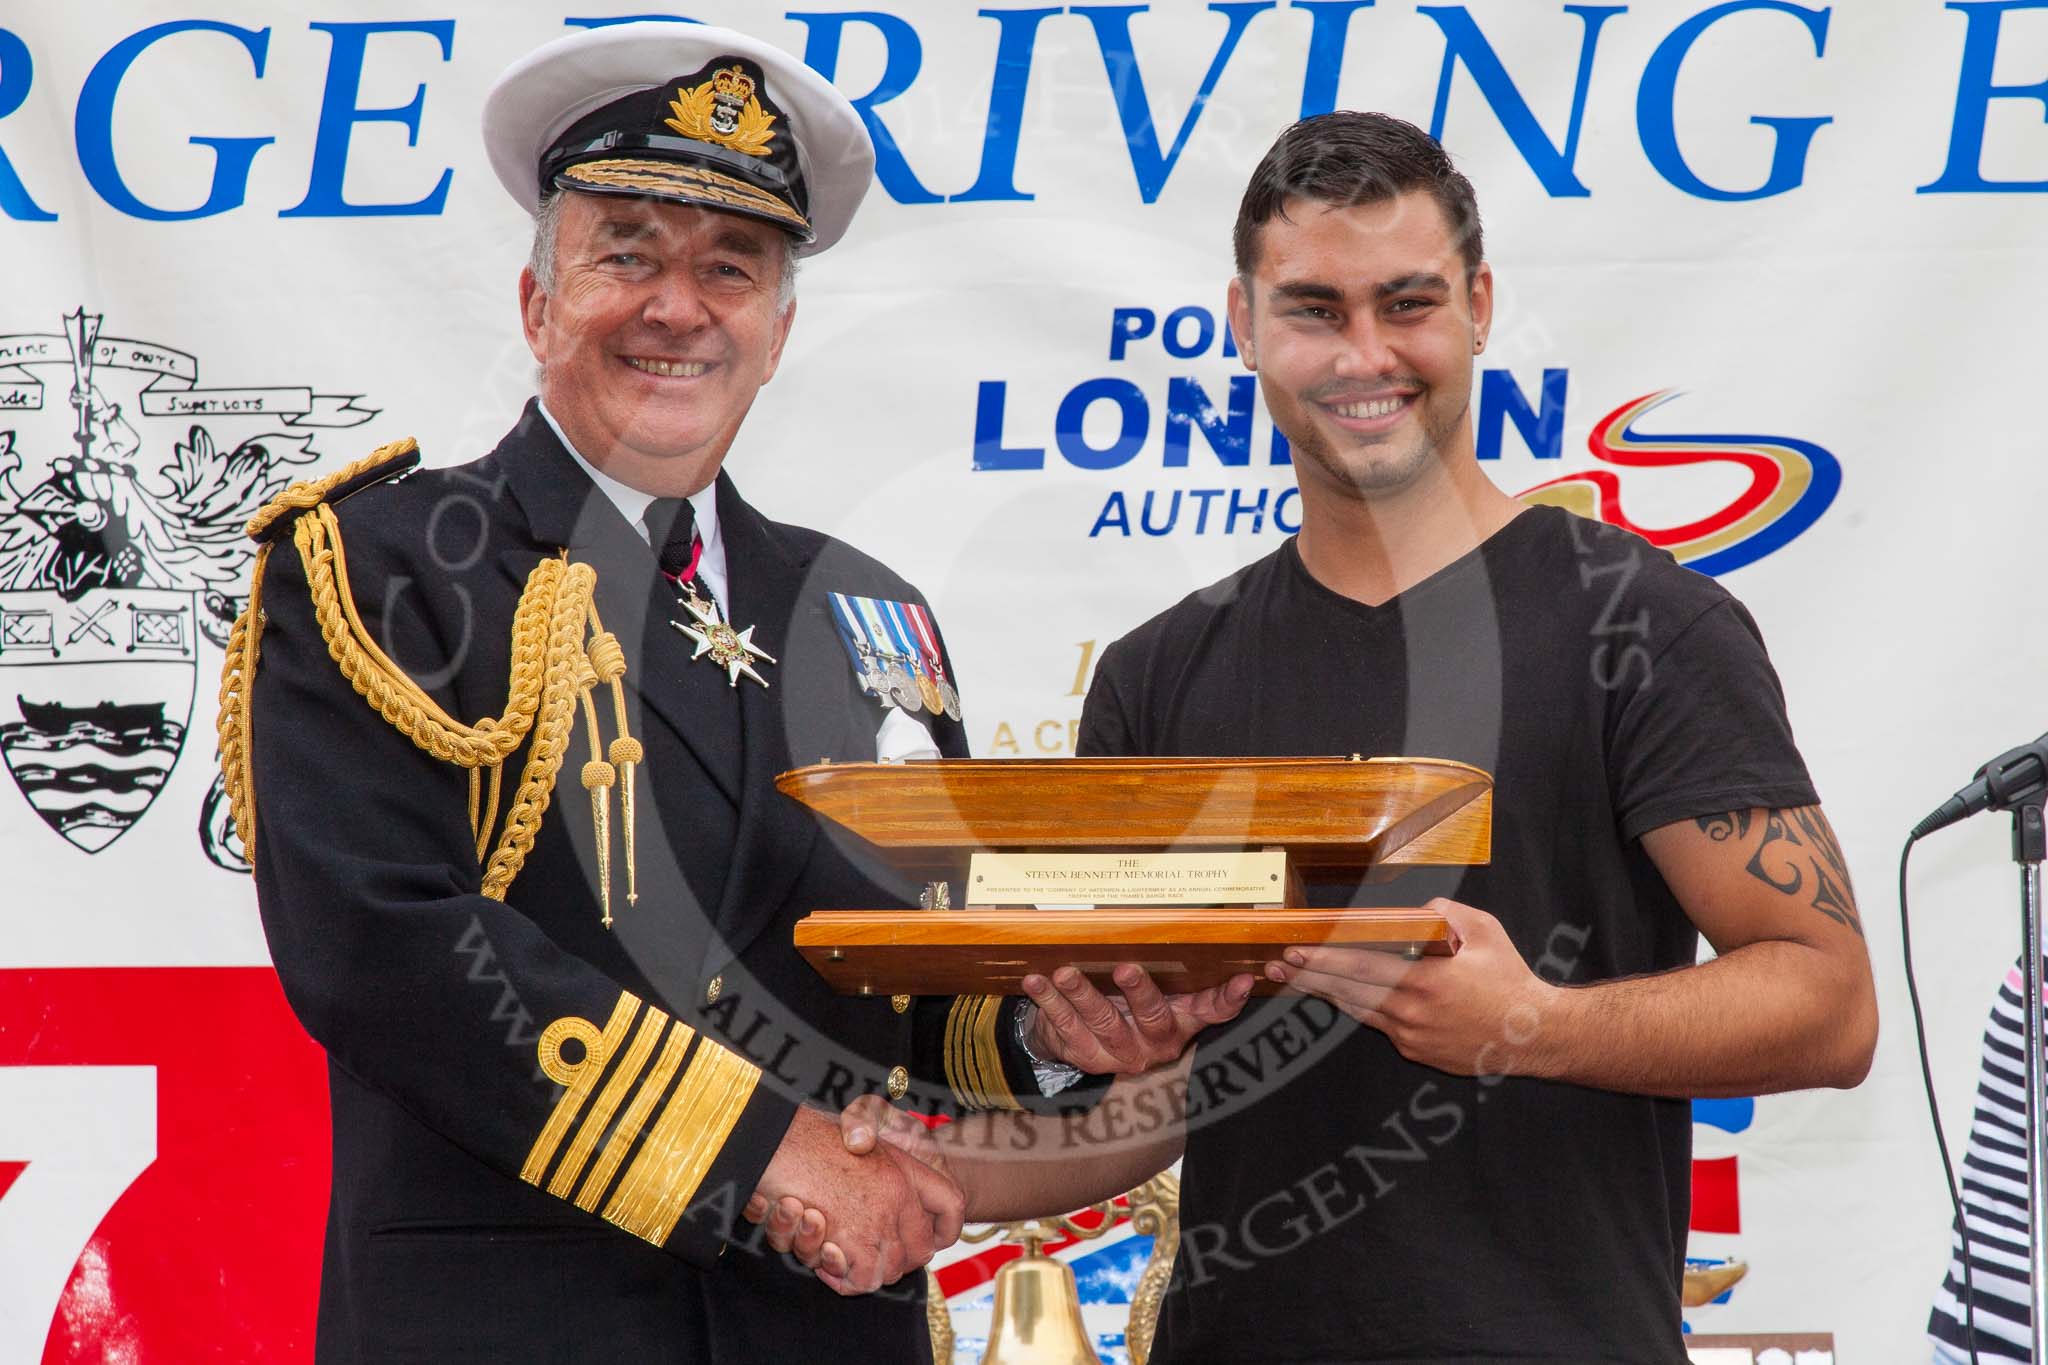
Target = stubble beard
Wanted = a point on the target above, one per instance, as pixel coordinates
(1365, 477)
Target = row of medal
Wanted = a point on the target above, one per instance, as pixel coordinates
(896, 653)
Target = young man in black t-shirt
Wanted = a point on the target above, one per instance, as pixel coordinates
(1484, 1156)
(1488, 1155)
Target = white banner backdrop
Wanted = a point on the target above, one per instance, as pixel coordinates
(269, 237)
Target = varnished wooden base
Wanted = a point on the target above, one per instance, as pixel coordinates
(966, 952)
(1337, 818)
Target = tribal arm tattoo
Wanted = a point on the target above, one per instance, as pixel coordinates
(1797, 856)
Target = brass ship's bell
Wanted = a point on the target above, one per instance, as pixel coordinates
(1037, 1317)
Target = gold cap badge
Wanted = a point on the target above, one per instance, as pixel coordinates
(726, 111)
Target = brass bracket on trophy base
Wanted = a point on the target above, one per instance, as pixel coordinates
(1197, 869)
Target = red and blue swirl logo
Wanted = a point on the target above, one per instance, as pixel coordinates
(1790, 483)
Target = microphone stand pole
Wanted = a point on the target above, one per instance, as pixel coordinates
(2029, 848)
(2017, 781)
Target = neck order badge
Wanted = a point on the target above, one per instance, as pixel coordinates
(732, 650)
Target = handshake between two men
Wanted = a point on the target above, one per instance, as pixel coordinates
(873, 1195)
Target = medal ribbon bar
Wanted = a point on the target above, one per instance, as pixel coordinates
(854, 636)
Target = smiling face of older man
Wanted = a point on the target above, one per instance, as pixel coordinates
(660, 325)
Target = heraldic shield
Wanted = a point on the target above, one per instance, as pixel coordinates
(121, 545)
(95, 698)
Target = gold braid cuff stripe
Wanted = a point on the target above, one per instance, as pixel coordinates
(989, 1056)
(580, 1078)
(972, 1057)
(631, 1063)
(634, 1121)
(680, 1145)
(561, 654)
(954, 1055)
(695, 181)
(685, 1141)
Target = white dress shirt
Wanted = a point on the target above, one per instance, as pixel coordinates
(899, 736)
(633, 504)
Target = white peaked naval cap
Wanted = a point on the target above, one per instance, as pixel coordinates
(683, 112)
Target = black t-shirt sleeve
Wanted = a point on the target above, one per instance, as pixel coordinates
(1106, 729)
(1704, 729)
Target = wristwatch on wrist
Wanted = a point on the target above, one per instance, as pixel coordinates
(1052, 1076)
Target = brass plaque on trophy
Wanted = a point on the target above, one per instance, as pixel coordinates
(1050, 880)
(1196, 869)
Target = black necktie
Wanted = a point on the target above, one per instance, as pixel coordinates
(672, 531)
(713, 702)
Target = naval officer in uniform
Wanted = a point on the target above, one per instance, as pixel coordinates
(502, 739)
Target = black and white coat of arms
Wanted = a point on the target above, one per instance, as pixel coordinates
(121, 546)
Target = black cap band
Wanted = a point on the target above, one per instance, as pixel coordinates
(560, 158)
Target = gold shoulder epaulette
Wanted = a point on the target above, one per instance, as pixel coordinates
(393, 461)
(561, 654)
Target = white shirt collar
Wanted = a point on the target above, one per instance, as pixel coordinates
(633, 504)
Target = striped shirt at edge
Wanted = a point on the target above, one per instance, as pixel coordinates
(1994, 1181)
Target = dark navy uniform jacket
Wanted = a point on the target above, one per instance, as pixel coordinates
(481, 1210)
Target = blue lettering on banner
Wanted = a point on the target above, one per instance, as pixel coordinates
(998, 177)
(339, 115)
(989, 450)
(899, 69)
(1331, 26)
(1280, 522)
(1161, 512)
(1463, 42)
(1657, 95)
(1115, 516)
(1154, 140)
(1112, 25)
(1974, 92)
(1172, 514)
(1188, 409)
(1255, 510)
(1122, 416)
(1173, 332)
(17, 73)
(1542, 427)
(1183, 333)
(1127, 325)
(1134, 412)
(93, 126)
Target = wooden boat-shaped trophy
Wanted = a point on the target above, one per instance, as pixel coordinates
(1195, 868)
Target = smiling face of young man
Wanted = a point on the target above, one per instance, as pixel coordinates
(1362, 322)
(662, 323)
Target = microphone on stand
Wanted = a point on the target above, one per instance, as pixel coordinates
(2017, 781)
(2015, 776)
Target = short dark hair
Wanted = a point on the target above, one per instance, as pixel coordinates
(1348, 158)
